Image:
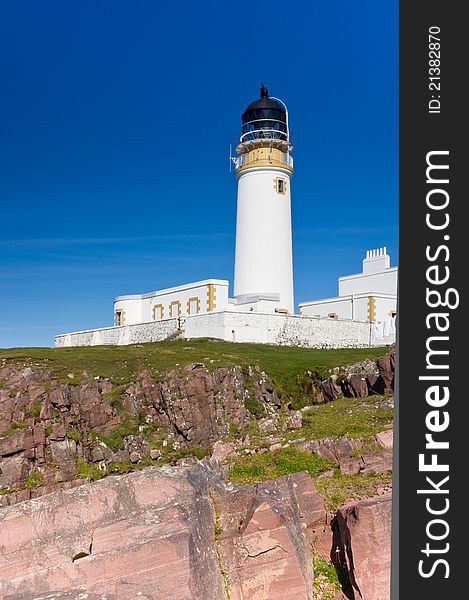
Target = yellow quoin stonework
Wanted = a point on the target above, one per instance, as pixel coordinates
(371, 308)
(211, 297)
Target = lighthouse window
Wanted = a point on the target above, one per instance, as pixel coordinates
(280, 185)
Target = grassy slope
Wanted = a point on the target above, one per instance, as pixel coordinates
(120, 363)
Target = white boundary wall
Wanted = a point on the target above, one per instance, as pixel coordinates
(156, 331)
(278, 329)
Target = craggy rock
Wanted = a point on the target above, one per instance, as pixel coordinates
(370, 462)
(386, 366)
(362, 537)
(333, 450)
(356, 387)
(262, 545)
(172, 533)
(294, 420)
(222, 451)
(385, 438)
(330, 390)
(200, 405)
(358, 380)
(268, 424)
(351, 466)
(47, 426)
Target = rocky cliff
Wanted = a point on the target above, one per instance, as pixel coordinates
(186, 531)
(54, 432)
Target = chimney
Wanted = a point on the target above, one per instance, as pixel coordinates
(376, 260)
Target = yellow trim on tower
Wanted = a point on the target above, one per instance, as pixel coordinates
(265, 163)
(155, 308)
(371, 308)
(195, 299)
(211, 297)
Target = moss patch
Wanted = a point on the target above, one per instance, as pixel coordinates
(115, 440)
(14, 427)
(34, 480)
(338, 488)
(328, 580)
(261, 467)
(88, 470)
(351, 417)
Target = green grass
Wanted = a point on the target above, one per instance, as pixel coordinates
(14, 427)
(350, 417)
(338, 488)
(326, 572)
(120, 364)
(35, 410)
(115, 440)
(34, 480)
(254, 468)
(88, 470)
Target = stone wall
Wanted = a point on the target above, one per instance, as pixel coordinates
(155, 331)
(285, 330)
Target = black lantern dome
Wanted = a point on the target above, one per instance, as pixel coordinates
(265, 118)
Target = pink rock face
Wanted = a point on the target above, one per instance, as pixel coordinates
(155, 534)
(385, 439)
(363, 536)
(146, 534)
(262, 544)
(370, 462)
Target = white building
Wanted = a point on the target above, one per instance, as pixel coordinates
(190, 299)
(262, 309)
(367, 296)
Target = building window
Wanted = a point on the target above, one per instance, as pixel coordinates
(193, 305)
(119, 318)
(333, 316)
(175, 309)
(280, 185)
(158, 312)
(392, 313)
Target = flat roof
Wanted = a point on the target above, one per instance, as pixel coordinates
(348, 297)
(178, 288)
(357, 275)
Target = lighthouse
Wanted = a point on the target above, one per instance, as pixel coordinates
(263, 277)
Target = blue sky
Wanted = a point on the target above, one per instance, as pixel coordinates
(116, 121)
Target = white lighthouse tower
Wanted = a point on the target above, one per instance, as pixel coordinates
(263, 279)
